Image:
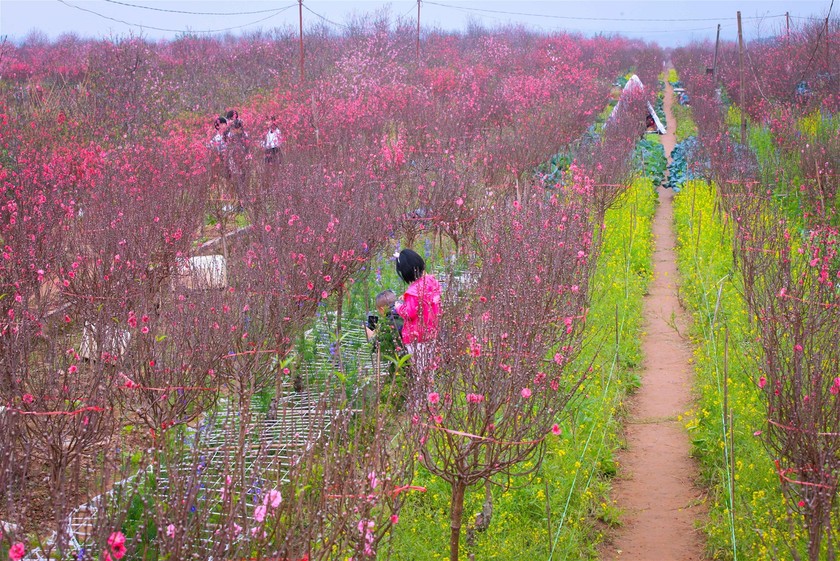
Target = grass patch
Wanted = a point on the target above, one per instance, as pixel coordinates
(754, 521)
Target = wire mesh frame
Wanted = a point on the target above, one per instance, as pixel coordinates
(273, 444)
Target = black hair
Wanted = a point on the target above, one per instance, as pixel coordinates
(232, 114)
(410, 266)
(219, 122)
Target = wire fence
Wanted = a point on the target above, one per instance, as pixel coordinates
(271, 441)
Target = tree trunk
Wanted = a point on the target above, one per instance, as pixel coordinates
(456, 508)
(339, 309)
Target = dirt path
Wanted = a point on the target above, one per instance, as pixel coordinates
(655, 488)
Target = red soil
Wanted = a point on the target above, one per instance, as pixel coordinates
(656, 485)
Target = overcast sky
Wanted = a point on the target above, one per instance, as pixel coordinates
(646, 19)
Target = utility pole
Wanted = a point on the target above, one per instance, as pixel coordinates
(300, 11)
(418, 30)
(787, 26)
(741, 73)
(714, 62)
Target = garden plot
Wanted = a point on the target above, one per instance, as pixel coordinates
(274, 439)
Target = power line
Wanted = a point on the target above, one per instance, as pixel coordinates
(619, 31)
(411, 10)
(676, 30)
(816, 44)
(323, 18)
(191, 13)
(143, 26)
(581, 18)
(812, 18)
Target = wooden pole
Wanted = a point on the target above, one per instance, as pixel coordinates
(300, 11)
(418, 29)
(714, 63)
(787, 25)
(742, 86)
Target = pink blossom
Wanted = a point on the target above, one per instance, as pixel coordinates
(526, 393)
(259, 513)
(116, 538)
(474, 398)
(394, 519)
(434, 397)
(556, 430)
(762, 382)
(170, 530)
(325, 294)
(272, 498)
(28, 398)
(17, 551)
(225, 488)
(117, 543)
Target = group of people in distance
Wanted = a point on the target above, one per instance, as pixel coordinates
(408, 325)
(230, 141)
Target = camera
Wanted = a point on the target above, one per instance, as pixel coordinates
(372, 320)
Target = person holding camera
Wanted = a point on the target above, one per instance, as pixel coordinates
(419, 308)
(386, 335)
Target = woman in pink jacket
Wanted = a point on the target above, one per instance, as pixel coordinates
(419, 308)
